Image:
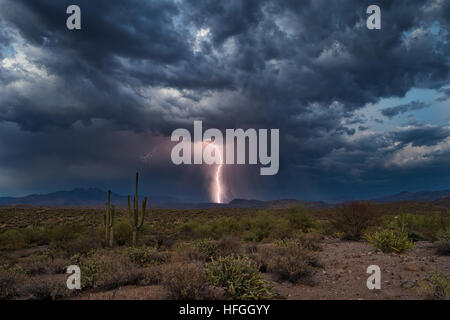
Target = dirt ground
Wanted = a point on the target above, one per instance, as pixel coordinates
(343, 275)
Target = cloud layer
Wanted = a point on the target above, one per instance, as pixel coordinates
(91, 106)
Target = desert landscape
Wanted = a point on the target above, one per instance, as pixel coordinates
(293, 252)
(196, 154)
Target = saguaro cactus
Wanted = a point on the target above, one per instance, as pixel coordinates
(108, 219)
(136, 222)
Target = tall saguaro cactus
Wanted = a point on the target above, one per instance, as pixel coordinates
(109, 221)
(136, 222)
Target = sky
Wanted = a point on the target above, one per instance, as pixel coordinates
(361, 113)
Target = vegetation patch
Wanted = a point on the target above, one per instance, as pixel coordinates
(186, 281)
(239, 277)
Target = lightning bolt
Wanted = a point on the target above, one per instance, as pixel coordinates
(218, 173)
(218, 170)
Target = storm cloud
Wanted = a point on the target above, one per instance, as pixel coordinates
(89, 107)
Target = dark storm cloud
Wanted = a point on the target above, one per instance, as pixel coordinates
(147, 67)
(412, 106)
(422, 136)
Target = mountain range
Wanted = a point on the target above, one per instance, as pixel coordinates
(424, 196)
(94, 197)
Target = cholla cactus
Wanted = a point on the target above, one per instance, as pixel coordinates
(108, 220)
(136, 222)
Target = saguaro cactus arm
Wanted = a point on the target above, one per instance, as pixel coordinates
(133, 214)
(144, 207)
(108, 220)
(111, 226)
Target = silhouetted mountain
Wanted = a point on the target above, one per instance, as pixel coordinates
(77, 197)
(274, 204)
(445, 202)
(94, 197)
(415, 196)
(244, 203)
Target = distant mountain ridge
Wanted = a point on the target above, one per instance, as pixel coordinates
(95, 197)
(76, 197)
(425, 196)
(274, 204)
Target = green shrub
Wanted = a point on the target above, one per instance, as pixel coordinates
(122, 232)
(211, 249)
(239, 277)
(421, 226)
(300, 218)
(390, 240)
(143, 256)
(81, 245)
(12, 239)
(438, 287)
(64, 233)
(207, 248)
(35, 236)
(225, 226)
(196, 229)
(264, 226)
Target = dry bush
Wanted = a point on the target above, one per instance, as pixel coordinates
(81, 245)
(203, 250)
(143, 256)
(106, 270)
(443, 243)
(289, 261)
(160, 241)
(311, 241)
(352, 219)
(45, 288)
(189, 252)
(186, 281)
(36, 265)
(120, 273)
(228, 245)
(10, 281)
(151, 275)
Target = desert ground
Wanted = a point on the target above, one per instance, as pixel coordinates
(284, 253)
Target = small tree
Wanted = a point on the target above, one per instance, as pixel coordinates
(352, 219)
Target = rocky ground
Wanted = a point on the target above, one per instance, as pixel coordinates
(343, 275)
